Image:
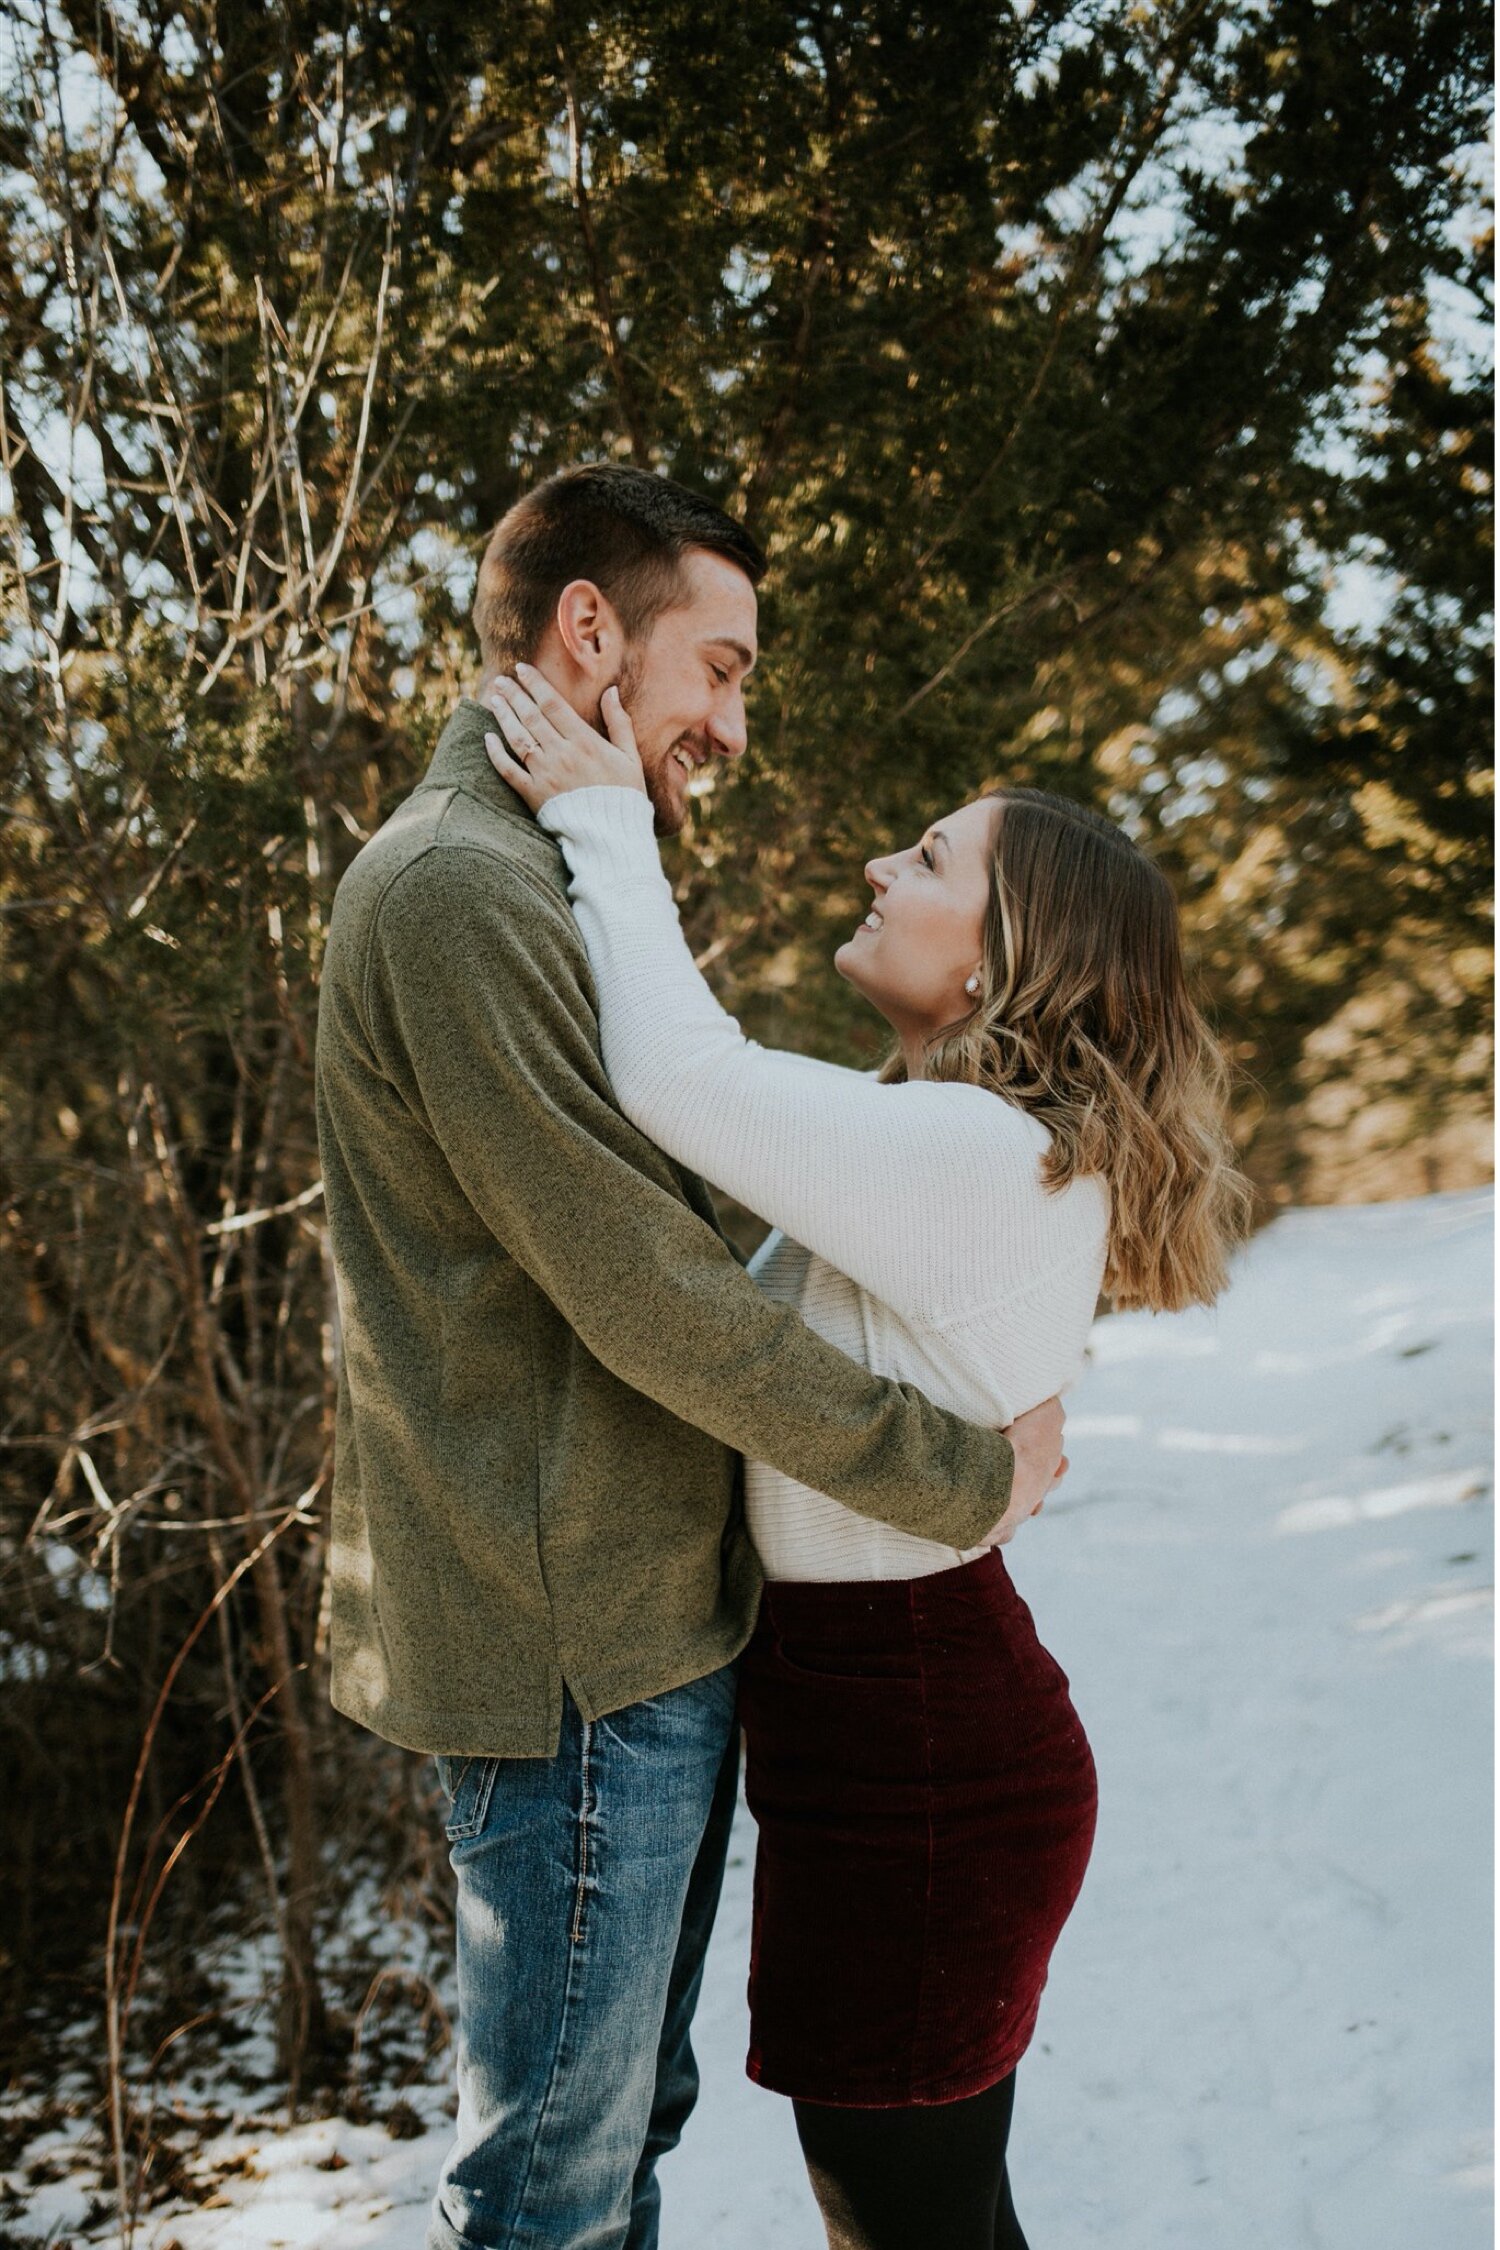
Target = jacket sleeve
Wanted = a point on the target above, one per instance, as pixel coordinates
(926, 1195)
(477, 1005)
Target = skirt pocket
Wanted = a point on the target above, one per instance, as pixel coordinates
(850, 1667)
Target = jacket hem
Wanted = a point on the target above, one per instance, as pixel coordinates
(599, 1702)
(500, 1734)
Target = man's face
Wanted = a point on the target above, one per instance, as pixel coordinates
(683, 684)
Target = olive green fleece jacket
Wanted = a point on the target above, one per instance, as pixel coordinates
(551, 1360)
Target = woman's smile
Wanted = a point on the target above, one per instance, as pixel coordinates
(938, 891)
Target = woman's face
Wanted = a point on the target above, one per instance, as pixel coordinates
(923, 937)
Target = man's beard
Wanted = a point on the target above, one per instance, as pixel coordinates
(669, 812)
(629, 681)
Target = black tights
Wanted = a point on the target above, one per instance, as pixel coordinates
(914, 2179)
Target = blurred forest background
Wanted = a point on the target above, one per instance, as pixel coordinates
(1109, 386)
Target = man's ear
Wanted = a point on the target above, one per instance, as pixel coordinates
(589, 630)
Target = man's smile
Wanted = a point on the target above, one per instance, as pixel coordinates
(690, 757)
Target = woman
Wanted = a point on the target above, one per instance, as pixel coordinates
(1053, 1121)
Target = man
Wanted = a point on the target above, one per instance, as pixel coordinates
(551, 1364)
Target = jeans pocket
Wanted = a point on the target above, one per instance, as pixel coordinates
(467, 1784)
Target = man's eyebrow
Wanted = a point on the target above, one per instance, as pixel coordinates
(722, 640)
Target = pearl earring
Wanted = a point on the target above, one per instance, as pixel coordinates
(972, 986)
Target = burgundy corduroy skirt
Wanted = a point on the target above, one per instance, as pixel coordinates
(925, 1796)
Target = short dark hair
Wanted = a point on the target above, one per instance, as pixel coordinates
(623, 528)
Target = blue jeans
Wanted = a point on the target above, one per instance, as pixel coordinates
(587, 1885)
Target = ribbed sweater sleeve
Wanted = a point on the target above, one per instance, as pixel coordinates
(926, 1195)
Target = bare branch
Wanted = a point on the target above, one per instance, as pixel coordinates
(244, 1219)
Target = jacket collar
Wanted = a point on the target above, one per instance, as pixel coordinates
(461, 761)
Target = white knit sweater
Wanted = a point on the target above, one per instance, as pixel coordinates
(913, 1229)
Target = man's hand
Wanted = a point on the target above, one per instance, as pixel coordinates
(1036, 1439)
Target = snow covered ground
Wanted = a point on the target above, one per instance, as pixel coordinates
(1268, 1577)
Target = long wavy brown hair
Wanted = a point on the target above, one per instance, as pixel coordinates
(1085, 1019)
